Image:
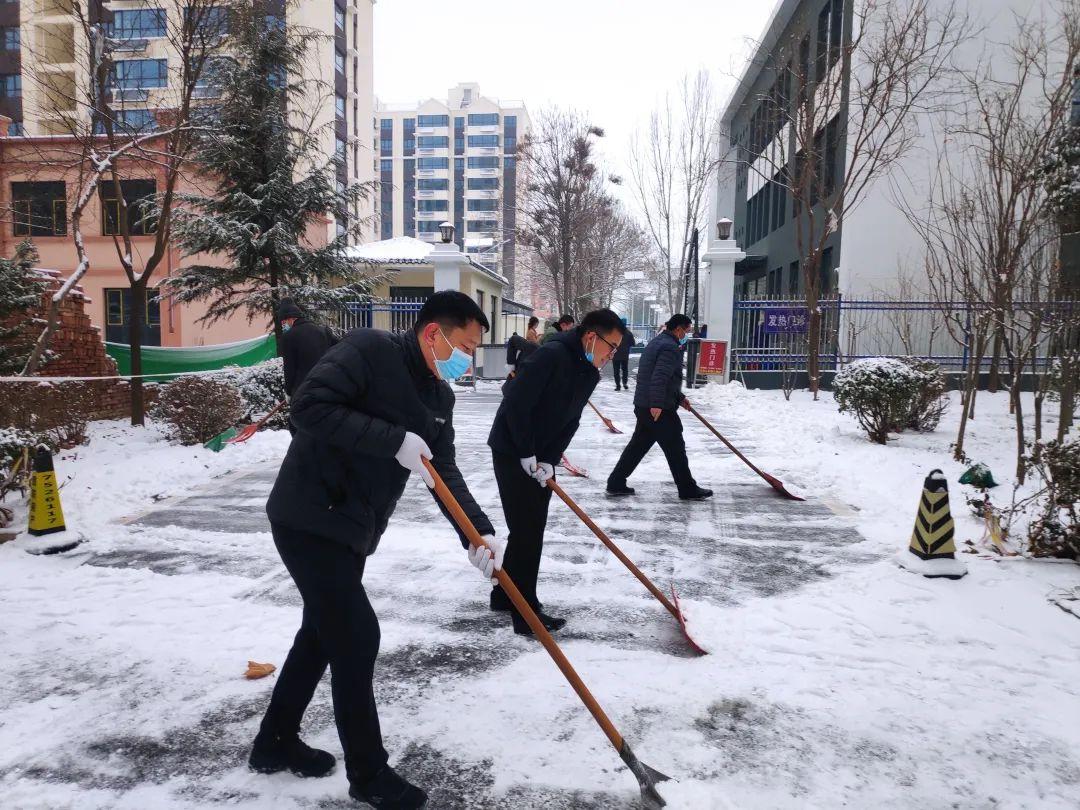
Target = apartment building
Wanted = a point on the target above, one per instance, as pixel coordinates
(48, 70)
(452, 160)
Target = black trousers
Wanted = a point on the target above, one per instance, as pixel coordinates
(668, 433)
(525, 507)
(339, 628)
(621, 367)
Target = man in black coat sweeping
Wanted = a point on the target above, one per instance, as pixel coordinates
(303, 343)
(539, 414)
(621, 362)
(656, 399)
(367, 415)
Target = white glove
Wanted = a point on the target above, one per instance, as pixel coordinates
(529, 466)
(544, 471)
(413, 449)
(485, 560)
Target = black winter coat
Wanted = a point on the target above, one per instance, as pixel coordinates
(541, 407)
(628, 342)
(518, 348)
(340, 479)
(301, 348)
(659, 376)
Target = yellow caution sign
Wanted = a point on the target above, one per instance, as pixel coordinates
(46, 514)
(932, 550)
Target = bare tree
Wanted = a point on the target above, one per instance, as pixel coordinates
(561, 203)
(117, 142)
(833, 125)
(671, 166)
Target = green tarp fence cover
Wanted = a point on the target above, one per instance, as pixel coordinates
(170, 362)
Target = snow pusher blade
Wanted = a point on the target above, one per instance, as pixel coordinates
(673, 609)
(247, 431)
(682, 623)
(772, 480)
(572, 469)
(607, 422)
(646, 776)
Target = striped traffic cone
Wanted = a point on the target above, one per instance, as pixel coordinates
(46, 513)
(932, 551)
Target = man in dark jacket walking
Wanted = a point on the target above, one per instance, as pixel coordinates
(656, 398)
(621, 363)
(367, 415)
(539, 414)
(303, 343)
(565, 323)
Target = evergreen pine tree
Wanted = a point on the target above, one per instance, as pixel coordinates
(20, 292)
(270, 183)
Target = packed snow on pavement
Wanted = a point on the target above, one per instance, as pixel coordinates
(834, 677)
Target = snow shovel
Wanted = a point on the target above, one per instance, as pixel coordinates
(772, 480)
(247, 431)
(646, 776)
(572, 469)
(607, 422)
(673, 609)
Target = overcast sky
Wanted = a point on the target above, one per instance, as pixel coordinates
(611, 58)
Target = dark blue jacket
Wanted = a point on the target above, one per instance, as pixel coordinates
(659, 377)
(541, 407)
(339, 478)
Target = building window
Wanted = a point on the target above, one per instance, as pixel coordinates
(484, 120)
(11, 85)
(339, 62)
(142, 23)
(483, 183)
(340, 148)
(793, 279)
(491, 162)
(11, 39)
(510, 121)
(484, 140)
(386, 166)
(433, 142)
(836, 26)
(15, 129)
(432, 184)
(479, 225)
(134, 74)
(339, 18)
(432, 205)
(39, 208)
(339, 106)
(433, 120)
(427, 226)
(386, 123)
(386, 146)
(483, 205)
(430, 163)
(821, 56)
(138, 197)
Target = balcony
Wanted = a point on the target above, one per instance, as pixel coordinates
(129, 94)
(130, 45)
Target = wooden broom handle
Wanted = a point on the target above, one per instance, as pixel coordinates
(454, 508)
(614, 549)
(728, 444)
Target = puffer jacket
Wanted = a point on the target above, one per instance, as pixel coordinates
(659, 376)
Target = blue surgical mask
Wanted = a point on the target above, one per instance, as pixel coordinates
(682, 342)
(455, 365)
(589, 353)
(285, 327)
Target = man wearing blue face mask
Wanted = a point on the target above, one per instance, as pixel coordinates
(367, 415)
(539, 414)
(656, 399)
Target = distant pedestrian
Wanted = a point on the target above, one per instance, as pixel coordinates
(656, 398)
(620, 364)
(532, 334)
(518, 348)
(539, 414)
(564, 323)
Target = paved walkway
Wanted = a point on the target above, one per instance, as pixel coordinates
(746, 542)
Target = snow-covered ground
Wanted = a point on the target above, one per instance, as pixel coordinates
(835, 678)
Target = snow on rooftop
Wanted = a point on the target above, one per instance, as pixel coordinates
(400, 249)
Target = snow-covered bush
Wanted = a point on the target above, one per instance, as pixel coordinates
(261, 387)
(21, 287)
(1056, 532)
(197, 408)
(58, 411)
(878, 392)
(929, 404)
(13, 442)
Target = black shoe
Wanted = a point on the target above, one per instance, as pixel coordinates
(695, 494)
(619, 490)
(501, 603)
(271, 754)
(388, 790)
(551, 624)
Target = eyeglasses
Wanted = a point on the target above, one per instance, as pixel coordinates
(611, 347)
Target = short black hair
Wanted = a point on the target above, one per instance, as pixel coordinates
(450, 309)
(566, 319)
(533, 321)
(676, 321)
(601, 320)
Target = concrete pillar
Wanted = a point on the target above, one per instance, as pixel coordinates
(449, 262)
(719, 299)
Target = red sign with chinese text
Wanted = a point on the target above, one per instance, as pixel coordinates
(711, 357)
